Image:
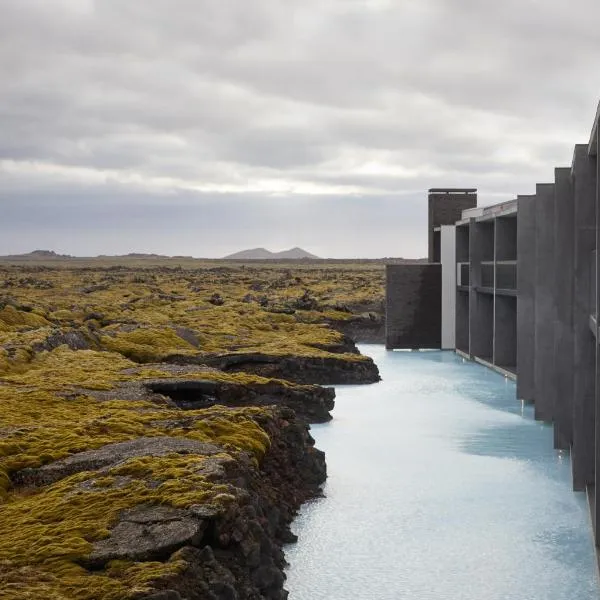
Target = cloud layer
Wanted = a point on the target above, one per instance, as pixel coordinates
(203, 126)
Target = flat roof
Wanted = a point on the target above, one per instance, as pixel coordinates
(481, 213)
(452, 190)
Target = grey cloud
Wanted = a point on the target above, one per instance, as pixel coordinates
(208, 226)
(120, 102)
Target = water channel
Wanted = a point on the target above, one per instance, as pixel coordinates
(441, 487)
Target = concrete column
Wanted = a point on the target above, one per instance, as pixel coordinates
(526, 275)
(584, 356)
(563, 293)
(448, 260)
(544, 303)
(474, 278)
(481, 309)
(462, 296)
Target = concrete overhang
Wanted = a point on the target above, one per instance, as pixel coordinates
(504, 209)
(593, 143)
(471, 213)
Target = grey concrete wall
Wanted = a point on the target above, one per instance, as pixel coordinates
(413, 306)
(505, 332)
(544, 303)
(563, 293)
(526, 276)
(584, 345)
(448, 262)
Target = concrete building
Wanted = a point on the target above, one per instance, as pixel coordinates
(486, 289)
(517, 290)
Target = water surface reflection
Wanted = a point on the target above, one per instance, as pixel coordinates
(441, 487)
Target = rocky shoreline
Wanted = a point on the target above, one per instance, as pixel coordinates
(228, 547)
(222, 550)
(241, 555)
(325, 370)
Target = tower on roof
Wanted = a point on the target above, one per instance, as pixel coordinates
(445, 208)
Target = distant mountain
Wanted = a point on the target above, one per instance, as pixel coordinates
(37, 255)
(264, 254)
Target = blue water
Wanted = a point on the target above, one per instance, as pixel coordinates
(441, 487)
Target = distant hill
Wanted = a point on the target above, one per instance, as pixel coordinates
(264, 254)
(37, 255)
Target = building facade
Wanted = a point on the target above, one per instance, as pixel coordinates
(517, 285)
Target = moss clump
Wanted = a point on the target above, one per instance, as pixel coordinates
(12, 318)
(44, 535)
(148, 344)
(64, 367)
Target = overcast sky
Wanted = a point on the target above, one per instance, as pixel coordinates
(202, 127)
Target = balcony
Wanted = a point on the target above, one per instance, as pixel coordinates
(487, 274)
(506, 275)
(462, 275)
(499, 277)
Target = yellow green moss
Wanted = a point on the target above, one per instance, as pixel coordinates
(51, 530)
(158, 301)
(11, 317)
(46, 413)
(148, 345)
(44, 534)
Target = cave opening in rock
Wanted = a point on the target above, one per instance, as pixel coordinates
(187, 395)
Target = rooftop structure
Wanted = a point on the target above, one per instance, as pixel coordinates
(445, 208)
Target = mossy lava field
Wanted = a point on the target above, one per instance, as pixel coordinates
(154, 438)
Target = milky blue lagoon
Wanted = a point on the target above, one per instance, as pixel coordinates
(441, 487)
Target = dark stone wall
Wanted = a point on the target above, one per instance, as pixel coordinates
(414, 306)
(446, 209)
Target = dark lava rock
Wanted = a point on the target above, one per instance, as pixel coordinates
(310, 402)
(306, 302)
(241, 553)
(110, 455)
(368, 328)
(235, 552)
(216, 300)
(322, 370)
(74, 339)
(147, 533)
